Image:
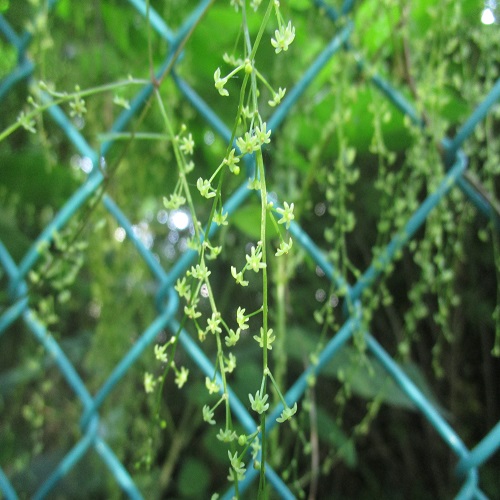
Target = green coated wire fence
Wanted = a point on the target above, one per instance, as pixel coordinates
(468, 460)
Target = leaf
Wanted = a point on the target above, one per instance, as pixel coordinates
(27, 174)
(8, 59)
(63, 9)
(300, 5)
(31, 368)
(117, 21)
(367, 380)
(378, 25)
(13, 238)
(329, 432)
(247, 220)
(194, 478)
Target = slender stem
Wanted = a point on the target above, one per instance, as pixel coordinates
(276, 386)
(180, 163)
(279, 354)
(62, 98)
(263, 193)
(181, 45)
(314, 440)
(150, 47)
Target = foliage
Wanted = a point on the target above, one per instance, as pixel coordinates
(345, 164)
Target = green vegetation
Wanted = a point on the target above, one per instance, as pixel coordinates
(345, 164)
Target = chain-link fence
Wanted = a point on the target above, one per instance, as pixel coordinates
(468, 461)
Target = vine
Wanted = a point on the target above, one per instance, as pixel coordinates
(250, 135)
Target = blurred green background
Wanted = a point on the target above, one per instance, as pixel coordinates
(355, 168)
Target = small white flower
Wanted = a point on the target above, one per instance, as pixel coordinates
(213, 323)
(220, 82)
(277, 97)
(149, 382)
(120, 101)
(160, 353)
(208, 415)
(255, 4)
(284, 248)
(238, 277)
(211, 385)
(283, 37)
(205, 188)
(269, 340)
(187, 145)
(232, 338)
(259, 403)
(26, 122)
(254, 260)
(286, 214)
(248, 144)
(181, 377)
(241, 318)
(262, 135)
(287, 413)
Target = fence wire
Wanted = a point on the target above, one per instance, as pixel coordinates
(468, 461)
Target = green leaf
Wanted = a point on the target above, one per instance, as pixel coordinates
(367, 380)
(247, 220)
(8, 59)
(194, 478)
(12, 236)
(35, 185)
(300, 5)
(63, 9)
(117, 20)
(378, 25)
(330, 433)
